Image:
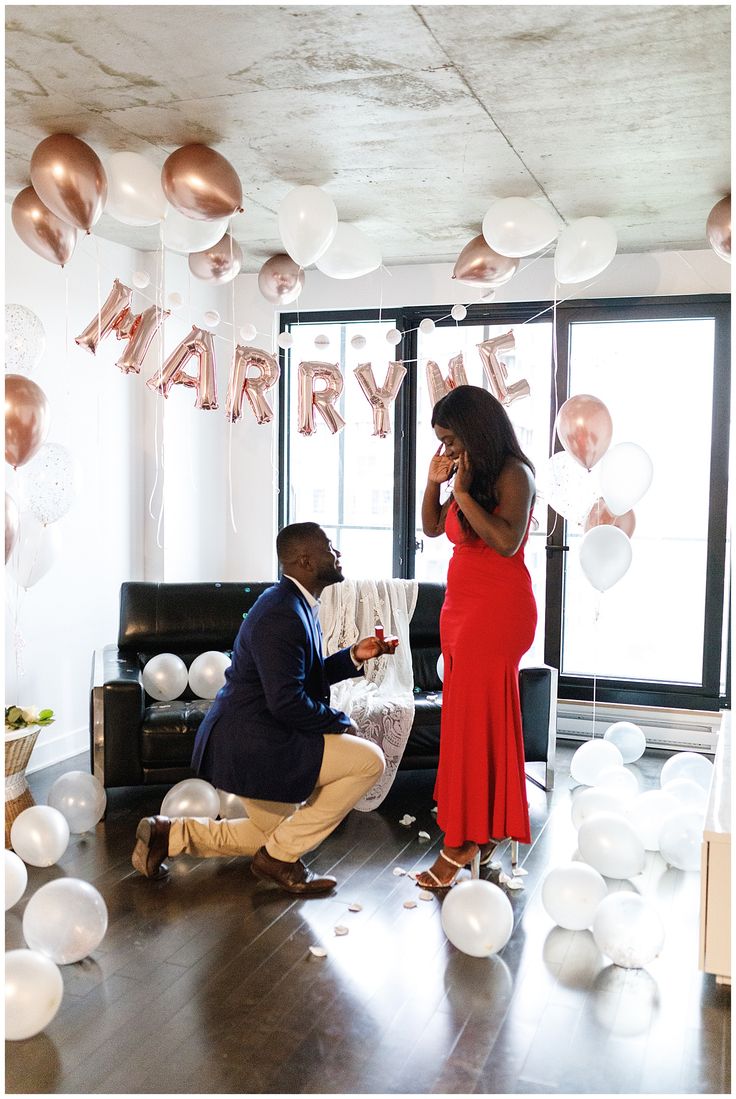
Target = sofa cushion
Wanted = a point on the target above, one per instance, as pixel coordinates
(168, 731)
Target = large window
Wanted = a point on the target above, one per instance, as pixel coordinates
(661, 366)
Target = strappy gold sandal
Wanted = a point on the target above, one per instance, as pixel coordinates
(473, 862)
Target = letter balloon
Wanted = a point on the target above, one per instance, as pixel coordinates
(199, 345)
(438, 386)
(322, 400)
(110, 316)
(41, 230)
(69, 178)
(139, 330)
(381, 398)
(254, 388)
(495, 369)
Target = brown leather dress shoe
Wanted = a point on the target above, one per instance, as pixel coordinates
(291, 876)
(152, 847)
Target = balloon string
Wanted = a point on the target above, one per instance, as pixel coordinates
(99, 292)
(596, 616)
(232, 425)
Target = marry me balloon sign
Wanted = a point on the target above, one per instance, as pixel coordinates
(253, 372)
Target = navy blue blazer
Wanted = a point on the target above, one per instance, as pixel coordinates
(263, 732)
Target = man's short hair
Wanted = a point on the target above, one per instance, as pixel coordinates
(295, 539)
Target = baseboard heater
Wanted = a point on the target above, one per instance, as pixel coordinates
(677, 730)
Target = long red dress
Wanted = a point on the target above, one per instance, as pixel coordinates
(487, 623)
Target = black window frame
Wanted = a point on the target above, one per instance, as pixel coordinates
(705, 696)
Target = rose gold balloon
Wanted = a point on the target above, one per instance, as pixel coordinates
(584, 428)
(113, 314)
(599, 516)
(201, 184)
(69, 178)
(323, 400)
(27, 419)
(480, 265)
(220, 263)
(438, 386)
(200, 345)
(46, 234)
(254, 388)
(139, 335)
(281, 280)
(11, 525)
(718, 228)
(381, 398)
(495, 369)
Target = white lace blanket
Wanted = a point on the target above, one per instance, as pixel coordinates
(381, 703)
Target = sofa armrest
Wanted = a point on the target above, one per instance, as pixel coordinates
(117, 704)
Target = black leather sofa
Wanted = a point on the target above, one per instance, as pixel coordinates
(135, 740)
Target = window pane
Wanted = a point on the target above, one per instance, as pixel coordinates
(344, 481)
(529, 415)
(656, 379)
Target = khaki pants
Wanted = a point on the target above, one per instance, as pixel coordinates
(350, 766)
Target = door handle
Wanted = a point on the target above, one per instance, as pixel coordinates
(556, 549)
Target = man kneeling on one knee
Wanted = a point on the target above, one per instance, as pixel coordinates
(271, 736)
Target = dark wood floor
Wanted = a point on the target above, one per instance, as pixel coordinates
(205, 983)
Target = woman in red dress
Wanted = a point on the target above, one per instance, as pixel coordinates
(486, 625)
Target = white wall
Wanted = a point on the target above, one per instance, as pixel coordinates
(53, 627)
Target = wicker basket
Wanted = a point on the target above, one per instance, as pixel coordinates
(18, 748)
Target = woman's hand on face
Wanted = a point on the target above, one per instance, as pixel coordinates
(464, 473)
(440, 467)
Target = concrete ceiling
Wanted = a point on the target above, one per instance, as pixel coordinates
(413, 118)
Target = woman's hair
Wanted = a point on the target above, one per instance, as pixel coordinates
(482, 425)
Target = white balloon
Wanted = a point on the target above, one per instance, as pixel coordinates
(207, 673)
(591, 758)
(16, 879)
(441, 668)
(624, 474)
(141, 279)
(174, 300)
(687, 765)
(426, 326)
(212, 318)
(25, 339)
(33, 992)
(619, 781)
(350, 254)
(39, 835)
(458, 312)
(192, 797)
(477, 918)
(646, 814)
(393, 336)
(628, 929)
(567, 487)
(66, 920)
(609, 844)
(358, 342)
(231, 806)
(134, 192)
(571, 894)
(593, 799)
(285, 340)
(80, 798)
(628, 738)
(183, 235)
(35, 550)
(48, 482)
(689, 794)
(584, 249)
(605, 556)
(165, 677)
(681, 839)
(248, 332)
(307, 224)
(518, 227)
